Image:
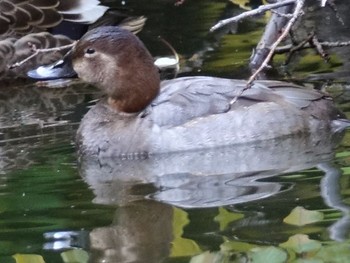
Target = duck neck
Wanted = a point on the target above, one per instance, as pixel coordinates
(136, 87)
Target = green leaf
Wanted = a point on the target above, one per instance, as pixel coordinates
(339, 252)
(230, 246)
(75, 256)
(28, 258)
(225, 217)
(242, 3)
(210, 257)
(268, 254)
(301, 216)
(182, 246)
(301, 243)
(308, 260)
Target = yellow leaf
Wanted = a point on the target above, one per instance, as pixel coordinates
(231, 246)
(244, 4)
(75, 256)
(301, 243)
(182, 246)
(28, 258)
(301, 216)
(225, 217)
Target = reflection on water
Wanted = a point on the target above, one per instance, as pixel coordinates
(212, 178)
(223, 205)
(209, 178)
(141, 232)
(330, 191)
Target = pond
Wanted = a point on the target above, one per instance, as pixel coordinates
(276, 201)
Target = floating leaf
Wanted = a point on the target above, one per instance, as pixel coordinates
(230, 245)
(75, 256)
(28, 258)
(268, 254)
(182, 246)
(244, 4)
(339, 252)
(301, 216)
(207, 257)
(301, 243)
(308, 260)
(225, 217)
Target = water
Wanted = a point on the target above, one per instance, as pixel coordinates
(225, 205)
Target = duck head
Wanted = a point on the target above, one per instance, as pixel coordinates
(116, 61)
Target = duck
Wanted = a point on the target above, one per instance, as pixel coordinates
(141, 116)
(50, 24)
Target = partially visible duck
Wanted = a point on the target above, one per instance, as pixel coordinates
(141, 115)
(18, 18)
(48, 24)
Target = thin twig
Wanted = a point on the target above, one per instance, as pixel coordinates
(289, 16)
(259, 10)
(38, 51)
(324, 44)
(319, 48)
(298, 46)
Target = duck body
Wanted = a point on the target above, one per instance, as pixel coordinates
(142, 116)
(195, 113)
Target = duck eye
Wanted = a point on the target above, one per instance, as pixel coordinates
(90, 51)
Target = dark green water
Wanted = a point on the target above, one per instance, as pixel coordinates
(215, 206)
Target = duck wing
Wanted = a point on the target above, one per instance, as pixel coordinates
(184, 99)
(297, 95)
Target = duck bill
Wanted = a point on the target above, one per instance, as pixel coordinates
(58, 70)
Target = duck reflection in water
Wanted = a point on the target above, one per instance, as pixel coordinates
(147, 190)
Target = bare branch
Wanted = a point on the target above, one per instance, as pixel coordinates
(38, 51)
(261, 9)
(319, 48)
(281, 14)
(298, 46)
(297, 12)
(272, 31)
(305, 45)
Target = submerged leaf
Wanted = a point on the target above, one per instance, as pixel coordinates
(75, 256)
(212, 257)
(225, 217)
(231, 246)
(301, 243)
(244, 4)
(301, 216)
(28, 258)
(182, 246)
(338, 252)
(308, 260)
(268, 254)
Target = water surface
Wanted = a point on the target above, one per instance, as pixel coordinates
(224, 205)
